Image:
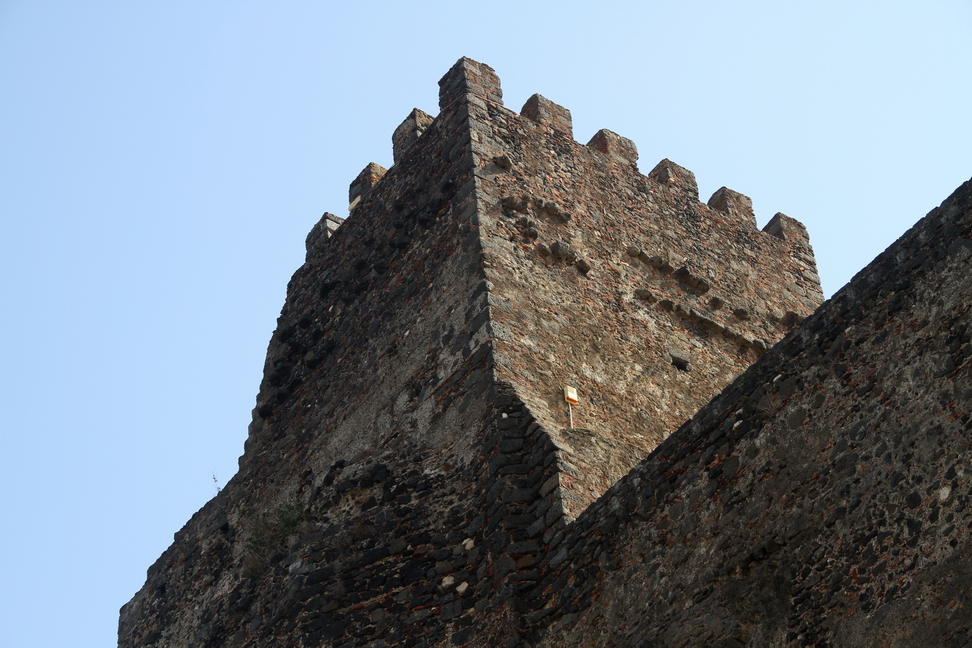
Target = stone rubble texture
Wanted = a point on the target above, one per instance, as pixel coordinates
(411, 477)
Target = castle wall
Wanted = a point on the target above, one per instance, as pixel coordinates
(409, 478)
(822, 499)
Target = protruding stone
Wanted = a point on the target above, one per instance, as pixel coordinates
(560, 250)
(791, 319)
(503, 161)
(543, 111)
(680, 361)
(684, 275)
(515, 203)
(645, 295)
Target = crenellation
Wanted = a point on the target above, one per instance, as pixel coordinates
(323, 230)
(735, 204)
(469, 80)
(545, 112)
(408, 131)
(675, 177)
(788, 229)
(618, 149)
(366, 180)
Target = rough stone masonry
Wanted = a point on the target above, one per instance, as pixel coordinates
(411, 477)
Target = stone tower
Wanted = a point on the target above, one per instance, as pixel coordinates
(411, 467)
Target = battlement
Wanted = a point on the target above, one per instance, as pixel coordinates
(469, 81)
(545, 112)
(408, 131)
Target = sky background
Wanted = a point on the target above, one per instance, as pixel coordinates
(161, 164)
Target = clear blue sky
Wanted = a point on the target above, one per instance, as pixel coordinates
(161, 164)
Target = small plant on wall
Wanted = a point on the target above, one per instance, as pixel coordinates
(267, 534)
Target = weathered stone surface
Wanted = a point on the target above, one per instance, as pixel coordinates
(410, 476)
